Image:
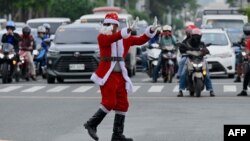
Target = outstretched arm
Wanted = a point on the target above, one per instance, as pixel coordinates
(139, 40)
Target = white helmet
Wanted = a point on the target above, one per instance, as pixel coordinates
(167, 28)
(46, 25)
(41, 29)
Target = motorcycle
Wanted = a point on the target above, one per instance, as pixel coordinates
(9, 67)
(153, 53)
(24, 64)
(196, 72)
(40, 57)
(169, 59)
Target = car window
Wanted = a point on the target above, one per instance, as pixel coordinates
(77, 35)
(235, 36)
(219, 39)
(53, 26)
(219, 23)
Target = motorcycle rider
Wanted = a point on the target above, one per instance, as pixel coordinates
(194, 43)
(246, 30)
(47, 27)
(188, 30)
(11, 37)
(26, 46)
(166, 39)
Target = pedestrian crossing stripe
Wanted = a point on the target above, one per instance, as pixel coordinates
(84, 89)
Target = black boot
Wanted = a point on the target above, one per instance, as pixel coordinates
(93, 122)
(118, 129)
(180, 94)
(212, 94)
(242, 93)
(237, 79)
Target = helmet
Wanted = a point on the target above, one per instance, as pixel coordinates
(246, 29)
(10, 24)
(189, 28)
(167, 28)
(26, 30)
(41, 29)
(47, 26)
(196, 31)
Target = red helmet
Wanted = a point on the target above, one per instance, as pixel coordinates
(111, 18)
(196, 31)
(189, 28)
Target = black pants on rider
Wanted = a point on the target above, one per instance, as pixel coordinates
(245, 84)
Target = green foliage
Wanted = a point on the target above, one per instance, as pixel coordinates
(246, 11)
(178, 23)
(141, 15)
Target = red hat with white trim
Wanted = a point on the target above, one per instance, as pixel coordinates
(111, 18)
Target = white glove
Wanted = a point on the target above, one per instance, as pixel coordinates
(134, 25)
(154, 25)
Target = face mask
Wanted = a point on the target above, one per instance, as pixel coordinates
(196, 39)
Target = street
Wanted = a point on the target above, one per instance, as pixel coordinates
(35, 111)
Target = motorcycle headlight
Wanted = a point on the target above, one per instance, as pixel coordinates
(197, 65)
(35, 52)
(11, 56)
(53, 53)
(243, 53)
(1, 55)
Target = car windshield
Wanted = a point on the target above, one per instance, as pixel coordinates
(122, 22)
(216, 23)
(235, 36)
(217, 39)
(77, 35)
(53, 26)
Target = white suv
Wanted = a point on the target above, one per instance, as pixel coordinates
(222, 58)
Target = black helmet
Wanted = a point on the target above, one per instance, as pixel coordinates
(246, 29)
(26, 30)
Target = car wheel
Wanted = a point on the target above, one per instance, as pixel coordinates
(50, 79)
(60, 80)
(230, 75)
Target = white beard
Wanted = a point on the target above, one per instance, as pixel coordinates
(106, 30)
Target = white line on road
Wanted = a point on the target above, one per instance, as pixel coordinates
(57, 89)
(33, 89)
(135, 88)
(155, 89)
(82, 89)
(176, 89)
(229, 88)
(10, 88)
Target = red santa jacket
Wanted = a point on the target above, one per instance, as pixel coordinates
(117, 45)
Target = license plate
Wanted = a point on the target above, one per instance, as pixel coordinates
(209, 66)
(76, 67)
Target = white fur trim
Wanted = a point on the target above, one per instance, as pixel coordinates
(121, 113)
(124, 33)
(112, 21)
(104, 109)
(147, 32)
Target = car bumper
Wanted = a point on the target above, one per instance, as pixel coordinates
(70, 75)
(219, 65)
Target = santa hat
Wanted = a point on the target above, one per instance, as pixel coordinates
(111, 18)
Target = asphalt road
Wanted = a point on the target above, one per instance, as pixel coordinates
(35, 111)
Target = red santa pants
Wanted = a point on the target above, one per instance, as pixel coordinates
(114, 93)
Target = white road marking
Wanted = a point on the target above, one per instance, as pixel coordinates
(135, 88)
(229, 88)
(10, 88)
(176, 89)
(146, 80)
(82, 89)
(33, 89)
(155, 89)
(57, 89)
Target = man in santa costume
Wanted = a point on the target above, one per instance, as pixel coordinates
(111, 74)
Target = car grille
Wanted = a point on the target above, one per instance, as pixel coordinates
(89, 61)
(216, 67)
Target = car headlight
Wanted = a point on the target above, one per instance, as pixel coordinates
(1, 55)
(243, 53)
(11, 56)
(53, 53)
